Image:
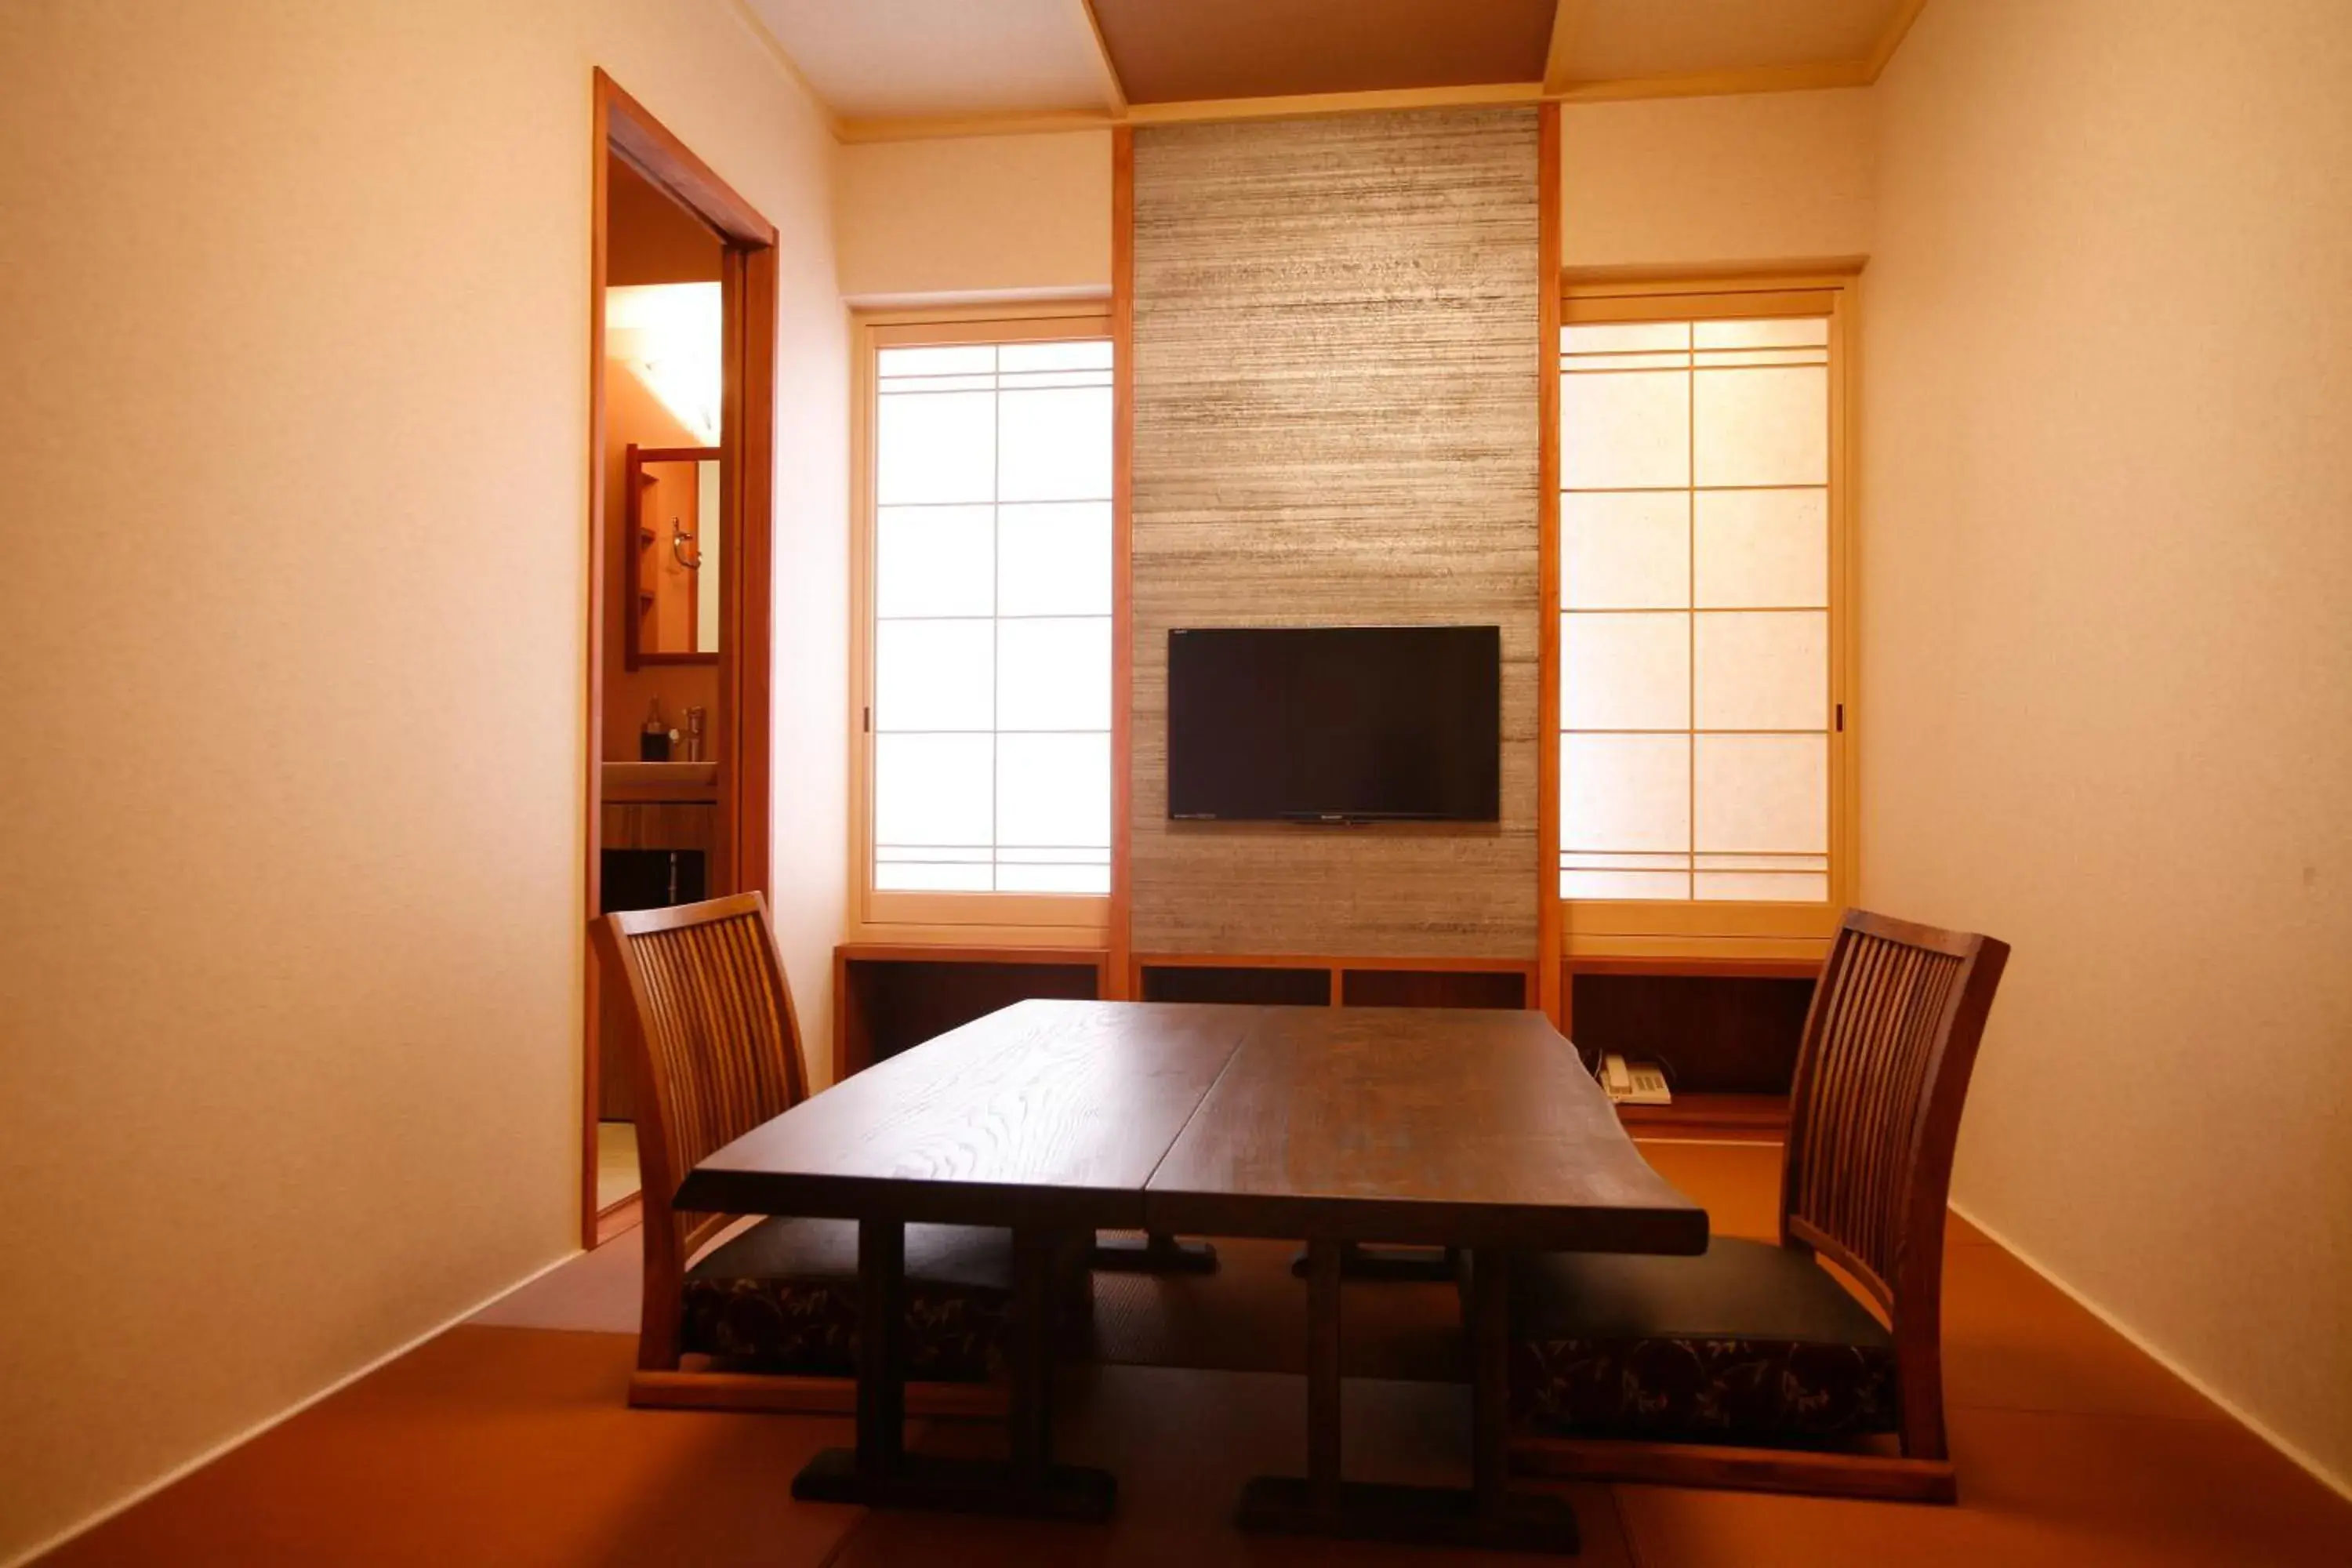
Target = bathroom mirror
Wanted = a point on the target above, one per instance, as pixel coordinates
(672, 546)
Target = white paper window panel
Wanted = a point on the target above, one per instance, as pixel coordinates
(946, 358)
(1054, 446)
(1053, 790)
(934, 560)
(933, 446)
(1053, 674)
(1626, 429)
(1817, 864)
(1760, 426)
(934, 674)
(1053, 560)
(1597, 885)
(1043, 380)
(933, 876)
(1625, 792)
(1761, 548)
(1728, 358)
(1625, 550)
(1625, 671)
(1762, 887)
(1053, 855)
(933, 789)
(1620, 337)
(1620, 860)
(1764, 332)
(1763, 793)
(1052, 878)
(1078, 354)
(1763, 669)
(1622, 362)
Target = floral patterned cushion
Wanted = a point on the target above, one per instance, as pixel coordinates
(783, 1298)
(1750, 1343)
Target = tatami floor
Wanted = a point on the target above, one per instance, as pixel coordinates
(506, 1441)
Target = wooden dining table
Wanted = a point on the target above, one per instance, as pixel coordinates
(1473, 1129)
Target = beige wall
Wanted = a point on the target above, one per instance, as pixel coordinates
(2108, 675)
(1775, 177)
(981, 215)
(1670, 182)
(292, 936)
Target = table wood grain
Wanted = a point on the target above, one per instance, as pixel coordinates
(1044, 1114)
(1457, 1127)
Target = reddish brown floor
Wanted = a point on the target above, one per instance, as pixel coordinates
(511, 1445)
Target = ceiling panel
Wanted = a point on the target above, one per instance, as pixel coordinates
(889, 58)
(1172, 51)
(1612, 40)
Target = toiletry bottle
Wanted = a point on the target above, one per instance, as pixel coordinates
(653, 742)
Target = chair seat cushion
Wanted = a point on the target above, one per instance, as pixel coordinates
(1749, 1344)
(783, 1298)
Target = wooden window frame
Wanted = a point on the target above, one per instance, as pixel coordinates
(1666, 929)
(1018, 919)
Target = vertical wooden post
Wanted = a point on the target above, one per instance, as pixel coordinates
(1549, 992)
(1122, 536)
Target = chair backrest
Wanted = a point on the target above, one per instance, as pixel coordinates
(1889, 1044)
(719, 1046)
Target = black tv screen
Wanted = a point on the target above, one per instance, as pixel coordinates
(1335, 723)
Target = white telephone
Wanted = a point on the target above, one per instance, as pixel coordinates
(1634, 1083)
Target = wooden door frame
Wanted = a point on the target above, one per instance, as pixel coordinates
(624, 128)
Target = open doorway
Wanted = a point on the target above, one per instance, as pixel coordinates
(681, 454)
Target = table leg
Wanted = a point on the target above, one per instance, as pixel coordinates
(881, 1348)
(1488, 1514)
(1323, 1410)
(1157, 1253)
(1375, 1262)
(1490, 1375)
(879, 1473)
(1032, 1413)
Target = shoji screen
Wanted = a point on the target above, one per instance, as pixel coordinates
(1699, 707)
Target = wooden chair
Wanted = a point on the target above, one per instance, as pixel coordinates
(1752, 1366)
(718, 1052)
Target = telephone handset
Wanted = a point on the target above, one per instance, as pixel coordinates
(1634, 1083)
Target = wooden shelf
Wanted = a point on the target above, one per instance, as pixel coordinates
(1743, 1118)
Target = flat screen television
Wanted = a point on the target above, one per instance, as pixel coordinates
(1335, 723)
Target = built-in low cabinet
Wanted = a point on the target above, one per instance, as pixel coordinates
(1725, 1031)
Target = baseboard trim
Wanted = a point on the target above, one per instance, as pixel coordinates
(2341, 1486)
(132, 1499)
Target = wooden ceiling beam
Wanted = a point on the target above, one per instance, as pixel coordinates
(1116, 89)
(1559, 70)
(1898, 28)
